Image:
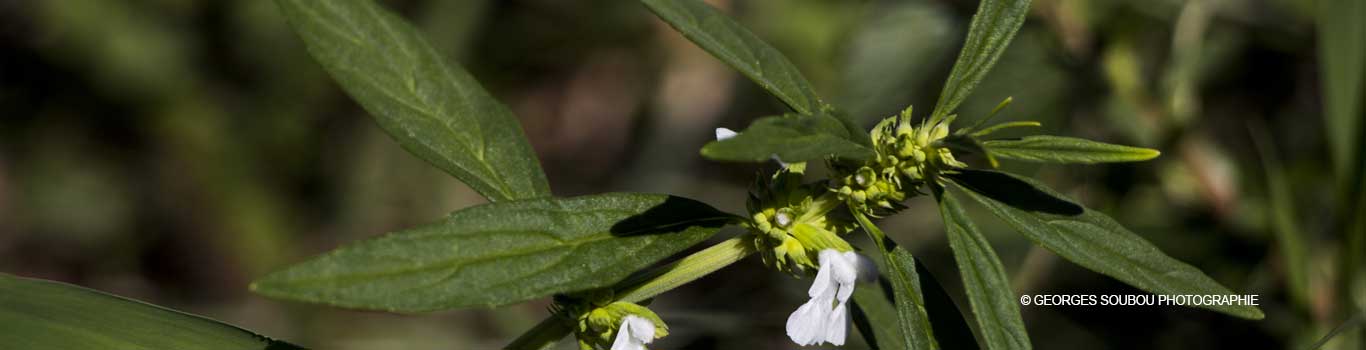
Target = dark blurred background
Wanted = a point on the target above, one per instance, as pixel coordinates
(174, 150)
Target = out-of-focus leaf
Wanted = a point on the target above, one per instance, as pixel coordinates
(501, 253)
(984, 279)
(1342, 58)
(1057, 149)
(1289, 238)
(433, 108)
(915, 331)
(891, 55)
(738, 47)
(40, 314)
(790, 137)
(990, 33)
(1098, 243)
(125, 53)
(1346, 326)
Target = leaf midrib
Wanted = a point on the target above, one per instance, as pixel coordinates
(477, 149)
(458, 263)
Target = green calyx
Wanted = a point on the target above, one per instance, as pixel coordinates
(907, 157)
(915, 153)
(793, 222)
(869, 190)
(596, 325)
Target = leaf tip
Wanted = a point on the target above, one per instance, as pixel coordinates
(1148, 154)
(709, 150)
(1254, 313)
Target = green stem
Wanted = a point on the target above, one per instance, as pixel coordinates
(658, 281)
(873, 230)
(689, 268)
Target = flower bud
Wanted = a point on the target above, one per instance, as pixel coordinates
(598, 326)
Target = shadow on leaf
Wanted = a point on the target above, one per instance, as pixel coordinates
(672, 215)
(1014, 192)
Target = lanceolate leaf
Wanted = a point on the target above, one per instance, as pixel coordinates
(433, 108)
(1057, 149)
(39, 314)
(790, 137)
(984, 279)
(951, 330)
(736, 46)
(898, 265)
(871, 310)
(501, 253)
(991, 30)
(1098, 243)
(1013, 191)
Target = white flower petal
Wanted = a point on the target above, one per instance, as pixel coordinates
(842, 270)
(806, 326)
(624, 341)
(837, 326)
(723, 133)
(824, 283)
(641, 328)
(845, 290)
(816, 322)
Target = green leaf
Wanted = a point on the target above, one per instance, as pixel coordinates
(951, 331)
(41, 314)
(1342, 56)
(969, 145)
(501, 253)
(991, 30)
(435, 110)
(1057, 149)
(984, 279)
(915, 331)
(891, 54)
(736, 46)
(1014, 192)
(1098, 243)
(870, 309)
(790, 137)
(974, 132)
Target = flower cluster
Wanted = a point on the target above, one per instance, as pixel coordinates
(793, 222)
(796, 231)
(906, 157)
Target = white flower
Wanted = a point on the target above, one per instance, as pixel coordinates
(634, 333)
(723, 133)
(825, 318)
